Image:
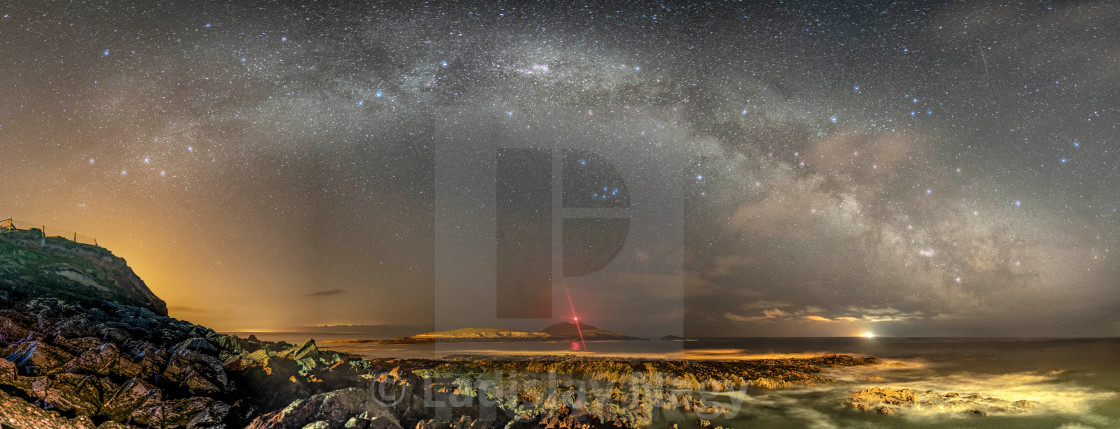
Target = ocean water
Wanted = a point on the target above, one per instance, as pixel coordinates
(1073, 383)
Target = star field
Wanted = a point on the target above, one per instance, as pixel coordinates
(916, 168)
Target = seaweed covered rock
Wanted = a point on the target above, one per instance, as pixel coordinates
(885, 400)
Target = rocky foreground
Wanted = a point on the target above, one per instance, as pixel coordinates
(118, 365)
(84, 343)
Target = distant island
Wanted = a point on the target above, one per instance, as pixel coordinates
(564, 331)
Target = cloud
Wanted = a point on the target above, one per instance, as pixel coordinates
(760, 304)
(182, 309)
(322, 293)
(819, 314)
(770, 314)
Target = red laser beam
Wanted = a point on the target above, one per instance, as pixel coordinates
(575, 318)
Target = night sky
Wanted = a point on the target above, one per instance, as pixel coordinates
(903, 168)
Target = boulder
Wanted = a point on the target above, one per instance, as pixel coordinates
(305, 355)
(8, 371)
(199, 345)
(105, 360)
(196, 411)
(37, 357)
(17, 413)
(200, 374)
(80, 394)
(337, 407)
(135, 394)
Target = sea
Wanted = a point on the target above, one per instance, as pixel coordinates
(1068, 383)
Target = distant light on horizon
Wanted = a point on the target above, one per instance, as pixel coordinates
(867, 335)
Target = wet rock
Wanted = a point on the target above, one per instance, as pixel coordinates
(76, 393)
(11, 330)
(1024, 404)
(104, 360)
(134, 395)
(77, 345)
(769, 383)
(895, 401)
(200, 374)
(883, 395)
(8, 371)
(190, 412)
(151, 362)
(199, 345)
(306, 355)
(37, 357)
(17, 413)
(337, 406)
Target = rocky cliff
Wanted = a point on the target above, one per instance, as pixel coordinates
(84, 343)
(34, 266)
